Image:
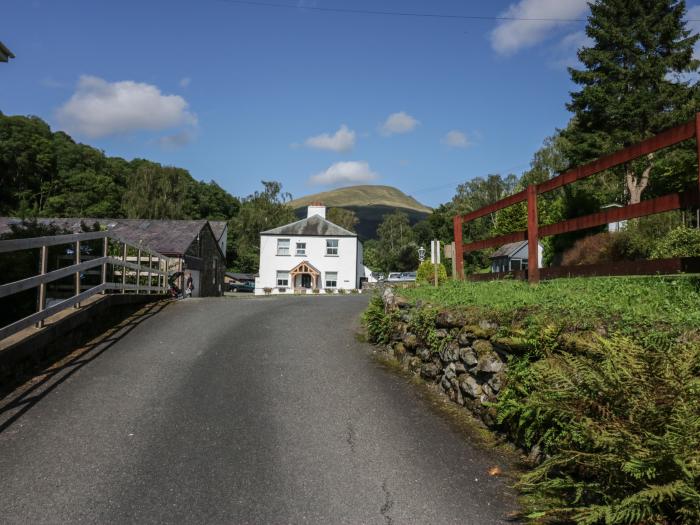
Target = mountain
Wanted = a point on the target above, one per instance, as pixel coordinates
(369, 202)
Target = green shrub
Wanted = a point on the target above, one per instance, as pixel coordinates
(377, 322)
(620, 429)
(426, 273)
(679, 242)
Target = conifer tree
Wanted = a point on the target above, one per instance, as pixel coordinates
(634, 82)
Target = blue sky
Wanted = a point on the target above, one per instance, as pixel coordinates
(238, 93)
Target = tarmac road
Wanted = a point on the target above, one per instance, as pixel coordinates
(263, 410)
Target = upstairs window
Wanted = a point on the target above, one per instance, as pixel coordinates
(331, 280)
(332, 247)
(282, 246)
(301, 249)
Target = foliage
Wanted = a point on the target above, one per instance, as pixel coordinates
(397, 249)
(344, 218)
(606, 386)
(372, 256)
(376, 321)
(681, 242)
(259, 212)
(426, 273)
(631, 86)
(620, 427)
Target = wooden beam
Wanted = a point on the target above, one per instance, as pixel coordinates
(495, 241)
(458, 249)
(533, 266)
(491, 208)
(662, 140)
(673, 201)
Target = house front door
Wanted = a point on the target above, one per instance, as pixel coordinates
(305, 280)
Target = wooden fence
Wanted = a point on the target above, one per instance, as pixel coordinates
(148, 270)
(534, 232)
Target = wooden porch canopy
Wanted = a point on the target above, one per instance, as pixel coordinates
(305, 267)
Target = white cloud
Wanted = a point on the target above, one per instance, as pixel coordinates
(185, 81)
(350, 172)
(544, 16)
(456, 139)
(341, 140)
(396, 123)
(99, 108)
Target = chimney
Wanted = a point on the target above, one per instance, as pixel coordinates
(316, 208)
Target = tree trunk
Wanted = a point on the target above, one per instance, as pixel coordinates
(636, 185)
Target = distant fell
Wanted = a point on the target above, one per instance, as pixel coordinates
(369, 202)
(366, 195)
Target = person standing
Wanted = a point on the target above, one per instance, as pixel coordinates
(189, 285)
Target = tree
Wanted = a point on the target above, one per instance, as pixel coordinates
(397, 248)
(344, 218)
(632, 83)
(258, 212)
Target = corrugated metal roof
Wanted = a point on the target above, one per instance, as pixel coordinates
(314, 226)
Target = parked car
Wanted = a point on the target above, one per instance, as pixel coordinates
(241, 287)
(408, 276)
(394, 277)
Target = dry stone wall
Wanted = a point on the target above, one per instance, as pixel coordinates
(465, 357)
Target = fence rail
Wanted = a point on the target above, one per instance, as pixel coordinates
(534, 232)
(149, 265)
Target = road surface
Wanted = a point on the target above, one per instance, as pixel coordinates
(238, 411)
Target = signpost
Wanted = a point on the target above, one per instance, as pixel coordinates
(435, 257)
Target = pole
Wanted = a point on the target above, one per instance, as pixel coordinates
(454, 261)
(42, 287)
(126, 249)
(533, 263)
(458, 247)
(138, 270)
(105, 252)
(77, 274)
(150, 267)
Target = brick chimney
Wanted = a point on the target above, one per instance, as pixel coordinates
(316, 208)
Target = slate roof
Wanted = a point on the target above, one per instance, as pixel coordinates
(508, 250)
(218, 227)
(168, 237)
(314, 226)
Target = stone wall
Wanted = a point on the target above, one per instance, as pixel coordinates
(465, 357)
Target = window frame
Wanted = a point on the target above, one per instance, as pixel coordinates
(288, 247)
(299, 253)
(277, 279)
(336, 248)
(326, 281)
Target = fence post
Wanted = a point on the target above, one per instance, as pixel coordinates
(138, 270)
(458, 249)
(533, 266)
(126, 248)
(77, 274)
(42, 287)
(105, 252)
(150, 275)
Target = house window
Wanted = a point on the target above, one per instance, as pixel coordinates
(515, 264)
(301, 249)
(331, 280)
(282, 278)
(282, 246)
(331, 246)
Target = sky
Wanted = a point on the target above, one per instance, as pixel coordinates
(239, 93)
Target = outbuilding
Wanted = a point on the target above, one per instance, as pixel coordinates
(513, 256)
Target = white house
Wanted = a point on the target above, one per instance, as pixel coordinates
(309, 254)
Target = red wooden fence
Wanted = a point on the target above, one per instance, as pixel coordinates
(673, 201)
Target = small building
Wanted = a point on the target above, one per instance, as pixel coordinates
(310, 254)
(513, 256)
(617, 226)
(197, 247)
(239, 278)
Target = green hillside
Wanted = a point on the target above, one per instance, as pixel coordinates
(367, 195)
(369, 202)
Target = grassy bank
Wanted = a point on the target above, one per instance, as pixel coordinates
(605, 385)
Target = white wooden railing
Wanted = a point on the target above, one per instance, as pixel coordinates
(145, 265)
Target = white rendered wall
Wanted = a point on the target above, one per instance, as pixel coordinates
(348, 262)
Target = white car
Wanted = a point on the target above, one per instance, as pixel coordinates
(394, 276)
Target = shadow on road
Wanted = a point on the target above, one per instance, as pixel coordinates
(37, 382)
